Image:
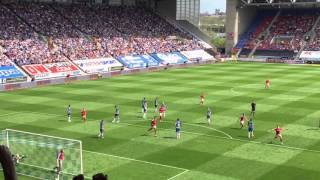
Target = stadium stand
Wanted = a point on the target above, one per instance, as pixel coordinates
(259, 24)
(314, 45)
(21, 44)
(286, 36)
(36, 33)
(289, 29)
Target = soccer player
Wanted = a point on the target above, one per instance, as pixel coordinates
(84, 114)
(267, 86)
(202, 98)
(101, 132)
(250, 128)
(145, 109)
(165, 109)
(60, 159)
(156, 103)
(162, 111)
(69, 112)
(16, 158)
(178, 128)
(278, 130)
(154, 126)
(243, 118)
(116, 114)
(144, 103)
(209, 115)
(253, 108)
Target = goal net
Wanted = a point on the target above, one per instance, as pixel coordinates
(39, 153)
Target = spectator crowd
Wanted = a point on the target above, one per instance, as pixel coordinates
(32, 33)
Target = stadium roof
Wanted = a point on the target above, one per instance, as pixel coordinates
(281, 2)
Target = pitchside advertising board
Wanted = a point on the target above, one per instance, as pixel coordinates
(150, 61)
(310, 55)
(170, 58)
(53, 70)
(98, 65)
(197, 55)
(10, 74)
(138, 61)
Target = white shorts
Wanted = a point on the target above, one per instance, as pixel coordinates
(242, 122)
(154, 127)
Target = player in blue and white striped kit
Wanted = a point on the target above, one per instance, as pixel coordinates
(156, 103)
(116, 114)
(250, 128)
(178, 128)
(69, 112)
(143, 103)
(101, 129)
(209, 115)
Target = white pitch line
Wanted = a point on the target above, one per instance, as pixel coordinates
(178, 175)
(235, 139)
(137, 160)
(47, 169)
(242, 140)
(35, 177)
(29, 175)
(233, 91)
(188, 132)
(211, 128)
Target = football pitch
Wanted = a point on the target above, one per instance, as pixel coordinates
(221, 151)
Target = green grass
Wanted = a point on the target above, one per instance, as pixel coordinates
(203, 152)
(212, 20)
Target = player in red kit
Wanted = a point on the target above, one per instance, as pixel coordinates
(278, 130)
(162, 111)
(243, 118)
(84, 115)
(60, 159)
(267, 86)
(154, 126)
(202, 96)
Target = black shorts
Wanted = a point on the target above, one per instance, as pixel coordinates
(116, 115)
(101, 130)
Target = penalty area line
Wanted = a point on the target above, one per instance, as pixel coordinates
(178, 174)
(136, 160)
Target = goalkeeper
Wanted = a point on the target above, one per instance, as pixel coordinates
(60, 159)
(16, 158)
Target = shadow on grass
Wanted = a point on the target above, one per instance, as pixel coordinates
(237, 128)
(201, 123)
(169, 137)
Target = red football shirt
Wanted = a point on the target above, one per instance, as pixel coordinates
(278, 130)
(154, 122)
(162, 109)
(61, 156)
